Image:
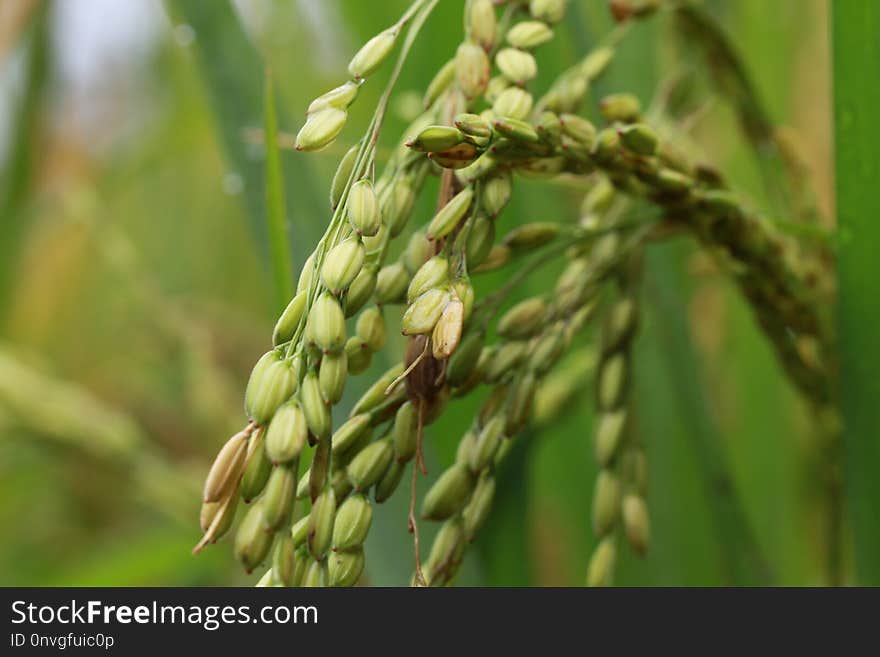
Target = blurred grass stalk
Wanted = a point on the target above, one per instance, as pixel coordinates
(855, 25)
(276, 205)
(16, 181)
(238, 104)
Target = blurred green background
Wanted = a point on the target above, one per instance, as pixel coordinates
(136, 293)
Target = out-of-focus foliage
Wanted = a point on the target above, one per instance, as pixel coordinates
(136, 290)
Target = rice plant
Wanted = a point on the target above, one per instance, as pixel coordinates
(306, 473)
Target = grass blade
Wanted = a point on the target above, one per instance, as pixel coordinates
(229, 64)
(742, 558)
(855, 25)
(17, 175)
(276, 205)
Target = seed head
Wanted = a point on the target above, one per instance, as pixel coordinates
(481, 23)
(596, 62)
(370, 464)
(351, 431)
(321, 520)
(523, 320)
(606, 146)
(315, 574)
(516, 65)
(321, 129)
(353, 520)
(440, 83)
(531, 236)
(372, 54)
(423, 314)
(612, 382)
(299, 532)
(256, 474)
(289, 320)
(477, 510)
(305, 275)
(513, 102)
(520, 404)
(578, 129)
(446, 551)
(287, 433)
(397, 205)
(601, 568)
(639, 138)
(360, 290)
(529, 34)
(273, 380)
(566, 93)
(375, 394)
(392, 283)
(609, 435)
(342, 265)
(547, 351)
(672, 181)
(636, 523)
(496, 86)
(599, 198)
(620, 107)
(359, 355)
(227, 468)
(284, 561)
(278, 497)
(516, 130)
(213, 526)
(386, 486)
(471, 69)
(472, 125)
(479, 240)
(371, 328)
(404, 432)
(433, 273)
(331, 376)
(621, 323)
(345, 568)
(498, 256)
(457, 157)
(449, 493)
(417, 251)
(314, 407)
(549, 11)
(325, 327)
(448, 217)
(503, 361)
(549, 127)
(496, 192)
(363, 209)
(486, 444)
(464, 360)
(606, 502)
(343, 173)
(436, 138)
(447, 331)
(339, 98)
(252, 541)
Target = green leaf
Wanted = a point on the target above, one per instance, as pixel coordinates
(856, 24)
